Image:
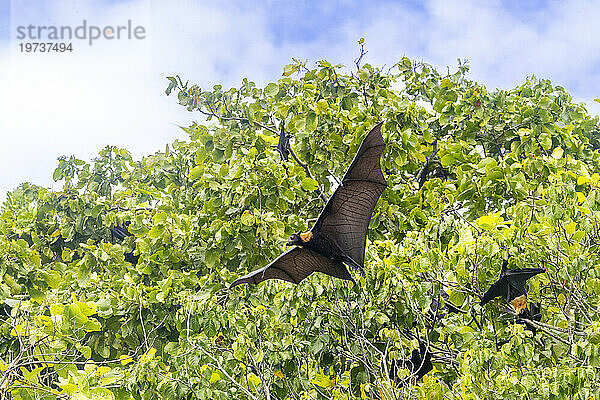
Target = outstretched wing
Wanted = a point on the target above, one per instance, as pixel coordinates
(345, 218)
(511, 283)
(293, 266)
(516, 280)
(499, 288)
(523, 274)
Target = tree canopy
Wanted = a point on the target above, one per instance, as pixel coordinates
(475, 177)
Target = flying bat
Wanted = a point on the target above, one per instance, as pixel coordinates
(119, 233)
(339, 235)
(418, 365)
(511, 286)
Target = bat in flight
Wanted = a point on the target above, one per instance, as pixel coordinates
(339, 235)
(511, 286)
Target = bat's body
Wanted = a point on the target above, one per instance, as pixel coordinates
(533, 313)
(511, 286)
(418, 365)
(119, 233)
(339, 236)
(283, 144)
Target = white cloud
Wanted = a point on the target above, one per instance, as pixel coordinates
(560, 42)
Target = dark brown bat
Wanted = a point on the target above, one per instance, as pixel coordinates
(283, 145)
(340, 234)
(418, 365)
(119, 233)
(533, 313)
(511, 286)
(451, 307)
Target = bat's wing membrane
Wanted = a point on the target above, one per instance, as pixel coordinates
(523, 274)
(120, 232)
(293, 266)
(511, 283)
(497, 289)
(346, 217)
(516, 281)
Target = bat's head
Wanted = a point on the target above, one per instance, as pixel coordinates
(294, 240)
(299, 239)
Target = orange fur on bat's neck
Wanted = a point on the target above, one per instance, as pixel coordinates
(306, 236)
(519, 303)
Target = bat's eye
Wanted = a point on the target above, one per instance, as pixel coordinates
(294, 239)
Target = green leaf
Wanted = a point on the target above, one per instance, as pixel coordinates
(309, 184)
(86, 351)
(92, 325)
(195, 173)
(594, 338)
(363, 74)
(557, 153)
(52, 278)
(159, 218)
(37, 295)
(322, 106)
(271, 89)
(247, 218)
(290, 69)
(156, 231)
(447, 160)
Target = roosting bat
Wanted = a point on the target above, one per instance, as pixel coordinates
(283, 145)
(418, 365)
(451, 307)
(119, 233)
(533, 313)
(339, 235)
(511, 286)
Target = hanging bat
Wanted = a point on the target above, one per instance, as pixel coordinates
(418, 365)
(339, 235)
(119, 233)
(437, 312)
(533, 313)
(451, 307)
(422, 174)
(511, 286)
(432, 167)
(283, 146)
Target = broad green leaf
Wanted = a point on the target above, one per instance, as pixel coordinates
(557, 152)
(247, 218)
(309, 184)
(271, 89)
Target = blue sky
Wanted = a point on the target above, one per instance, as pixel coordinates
(113, 92)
